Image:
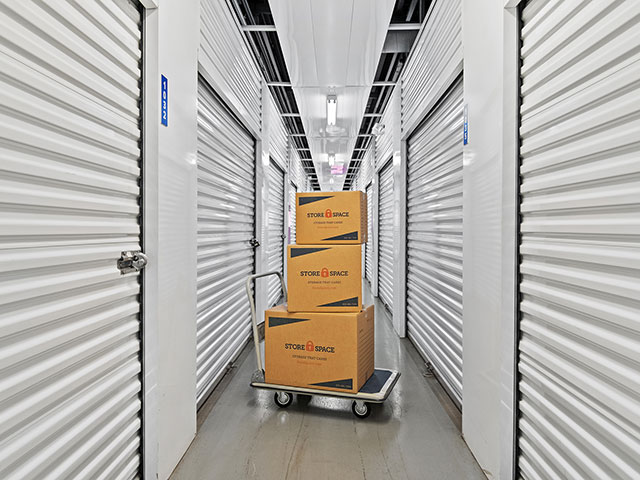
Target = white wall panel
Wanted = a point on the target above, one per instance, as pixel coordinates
(70, 353)
(275, 227)
(489, 232)
(227, 63)
(435, 61)
(172, 32)
(434, 234)
(278, 137)
(384, 143)
(368, 247)
(296, 172)
(367, 168)
(579, 359)
(386, 253)
(291, 209)
(226, 225)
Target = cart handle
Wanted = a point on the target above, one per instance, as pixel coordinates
(254, 323)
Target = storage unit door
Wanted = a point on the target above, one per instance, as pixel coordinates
(70, 326)
(434, 240)
(579, 327)
(226, 206)
(385, 235)
(368, 247)
(292, 213)
(275, 250)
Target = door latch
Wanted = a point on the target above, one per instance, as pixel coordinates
(254, 242)
(132, 262)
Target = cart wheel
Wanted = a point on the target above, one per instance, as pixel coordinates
(360, 409)
(283, 399)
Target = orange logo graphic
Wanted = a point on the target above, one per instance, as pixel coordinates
(309, 346)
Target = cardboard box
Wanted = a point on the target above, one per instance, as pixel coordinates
(329, 351)
(324, 278)
(331, 217)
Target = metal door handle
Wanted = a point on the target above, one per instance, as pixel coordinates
(132, 262)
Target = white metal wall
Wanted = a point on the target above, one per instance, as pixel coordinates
(292, 213)
(228, 64)
(435, 61)
(579, 349)
(384, 142)
(434, 240)
(368, 259)
(278, 143)
(296, 172)
(275, 227)
(226, 216)
(385, 235)
(69, 204)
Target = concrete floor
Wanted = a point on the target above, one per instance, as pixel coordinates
(414, 435)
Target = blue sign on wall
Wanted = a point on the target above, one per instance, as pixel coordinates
(465, 138)
(164, 101)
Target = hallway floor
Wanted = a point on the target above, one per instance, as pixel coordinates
(414, 435)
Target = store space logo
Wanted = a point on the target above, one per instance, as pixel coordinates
(310, 347)
(324, 273)
(328, 213)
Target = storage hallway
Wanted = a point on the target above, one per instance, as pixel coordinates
(150, 156)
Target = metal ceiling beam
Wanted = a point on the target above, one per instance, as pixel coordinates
(259, 28)
(404, 26)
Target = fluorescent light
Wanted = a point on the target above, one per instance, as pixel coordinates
(331, 181)
(332, 109)
(332, 159)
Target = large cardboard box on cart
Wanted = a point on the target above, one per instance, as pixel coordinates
(324, 278)
(338, 218)
(327, 351)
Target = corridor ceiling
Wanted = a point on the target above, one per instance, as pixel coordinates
(331, 47)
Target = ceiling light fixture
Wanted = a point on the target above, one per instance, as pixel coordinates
(332, 159)
(332, 109)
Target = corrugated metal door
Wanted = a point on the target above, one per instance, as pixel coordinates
(579, 330)
(434, 240)
(368, 247)
(226, 212)
(385, 235)
(70, 383)
(292, 213)
(275, 226)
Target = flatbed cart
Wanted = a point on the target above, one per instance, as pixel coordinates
(375, 390)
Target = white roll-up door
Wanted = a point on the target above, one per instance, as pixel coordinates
(292, 213)
(226, 212)
(385, 235)
(434, 240)
(579, 327)
(275, 226)
(368, 247)
(70, 366)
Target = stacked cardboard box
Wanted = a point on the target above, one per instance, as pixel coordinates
(324, 337)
